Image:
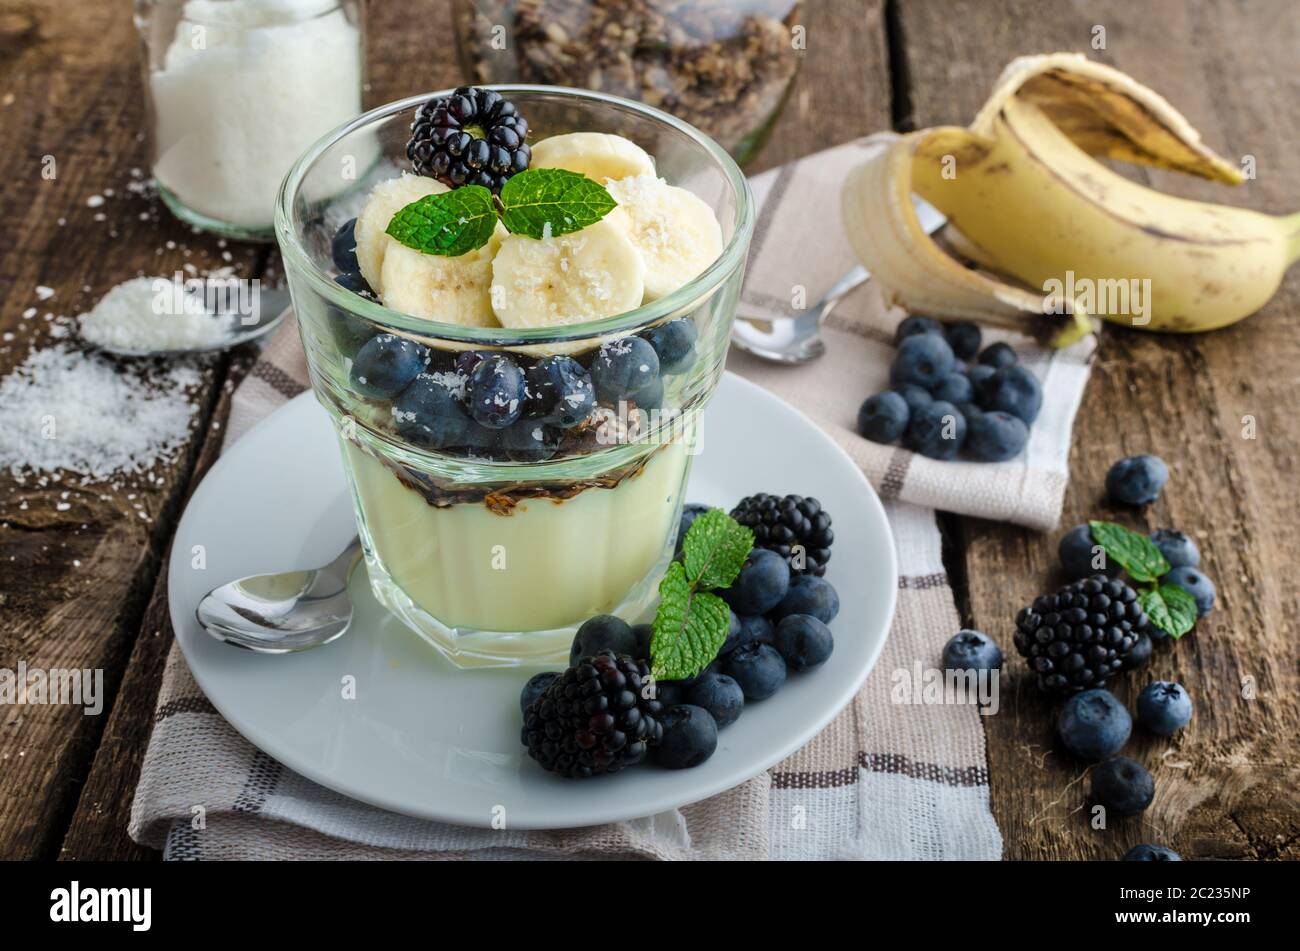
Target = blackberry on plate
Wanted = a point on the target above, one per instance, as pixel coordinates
(1081, 635)
(592, 719)
(471, 137)
(780, 523)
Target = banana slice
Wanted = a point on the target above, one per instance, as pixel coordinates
(593, 273)
(597, 155)
(449, 290)
(675, 231)
(387, 199)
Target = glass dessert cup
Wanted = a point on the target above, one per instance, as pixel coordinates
(494, 545)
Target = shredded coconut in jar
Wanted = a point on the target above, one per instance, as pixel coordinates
(244, 87)
(147, 314)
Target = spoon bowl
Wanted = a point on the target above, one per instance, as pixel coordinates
(284, 612)
(271, 307)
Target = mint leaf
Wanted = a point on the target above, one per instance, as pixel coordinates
(715, 549)
(1169, 608)
(1136, 553)
(547, 202)
(448, 224)
(689, 627)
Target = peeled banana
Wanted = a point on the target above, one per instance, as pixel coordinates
(1026, 198)
(598, 155)
(387, 199)
(676, 232)
(452, 290)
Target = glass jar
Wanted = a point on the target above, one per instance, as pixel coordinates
(235, 90)
(725, 66)
(495, 544)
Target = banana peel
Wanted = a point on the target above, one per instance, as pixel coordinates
(1026, 198)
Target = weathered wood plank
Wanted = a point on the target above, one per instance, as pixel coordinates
(72, 92)
(1225, 786)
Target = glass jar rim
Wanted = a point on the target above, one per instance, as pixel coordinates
(731, 258)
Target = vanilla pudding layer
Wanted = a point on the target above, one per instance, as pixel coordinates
(520, 563)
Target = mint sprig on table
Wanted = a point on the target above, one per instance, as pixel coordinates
(538, 203)
(691, 623)
(1167, 606)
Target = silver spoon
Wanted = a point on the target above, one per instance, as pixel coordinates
(270, 306)
(798, 339)
(285, 612)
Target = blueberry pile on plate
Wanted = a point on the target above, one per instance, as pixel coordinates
(779, 626)
(496, 404)
(949, 399)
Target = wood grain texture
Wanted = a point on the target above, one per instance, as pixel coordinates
(1226, 786)
(72, 97)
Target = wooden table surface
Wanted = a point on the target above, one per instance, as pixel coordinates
(70, 87)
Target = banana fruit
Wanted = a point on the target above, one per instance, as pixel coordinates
(545, 282)
(387, 199)
(1026, 198)
(598, 155)
(677, 234)
(450, 290)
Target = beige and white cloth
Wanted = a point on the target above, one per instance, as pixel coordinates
(886, 780)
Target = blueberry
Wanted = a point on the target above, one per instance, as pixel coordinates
(344, 248)
(1122, 786)
(755, 629)
(964, 338)
(529, 440)
(559, 392)
(623, 367)
(643, 634)
(1016, 391)
(429, 414)
(733, 633)
(535, 687)
(674, 342)
(938, 431)
(809, 594)
(690, 512)
(916, 397)
(1139, 653)
(1081, 555)
(956, 389)
(1179, 550)
(690, 737)
(758, 668)
(971, 650)
(803, 641)
(1094, 725)
(995, 436)
(981, 381)
(354, 282)
(1137, 480)
(604, 632)
(651, 396)
(720, 695)
(970, 411)
(386, 364)
(998, 355)
(671, 692)
(883, 417)
(910, 326)
(762, 583)
(1151, 853)
(495, 392)
(924, 359)
(1164, 707)
(1195, 583)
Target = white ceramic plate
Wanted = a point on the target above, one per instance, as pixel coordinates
(425, 739)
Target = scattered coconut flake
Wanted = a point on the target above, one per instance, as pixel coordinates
(63, 409)
(43, 292)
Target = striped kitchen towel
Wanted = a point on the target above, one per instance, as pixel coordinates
(889, 778)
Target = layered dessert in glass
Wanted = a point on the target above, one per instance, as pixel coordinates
(516, 386)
